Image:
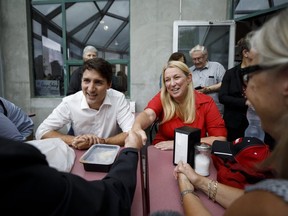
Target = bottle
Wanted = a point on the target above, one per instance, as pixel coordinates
(202, 159)
(254, 128)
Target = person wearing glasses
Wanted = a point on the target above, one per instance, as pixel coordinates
(98, 114)
(266, 83)
(207, 75)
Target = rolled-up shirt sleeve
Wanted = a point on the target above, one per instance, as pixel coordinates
(55, 121)
(125, 117)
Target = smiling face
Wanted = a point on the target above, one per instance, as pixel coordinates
(94, 87)
(176, 83)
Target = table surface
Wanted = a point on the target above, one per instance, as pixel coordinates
(137, 207)
(162, 188)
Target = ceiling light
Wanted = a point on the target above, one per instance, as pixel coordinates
(105, 27)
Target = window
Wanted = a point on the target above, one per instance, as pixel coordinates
(217, 37)
(62, 28)
(250, 15)
(247, 8)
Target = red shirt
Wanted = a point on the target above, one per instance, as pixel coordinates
(208, 118)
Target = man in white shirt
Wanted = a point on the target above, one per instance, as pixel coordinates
(207, 75)
(98, 114)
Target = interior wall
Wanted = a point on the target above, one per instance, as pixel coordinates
(14, 49)
(151, 44)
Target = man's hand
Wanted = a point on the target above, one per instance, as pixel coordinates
(85, 141)
(133, 140)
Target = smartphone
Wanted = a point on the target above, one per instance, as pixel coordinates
(198, 87)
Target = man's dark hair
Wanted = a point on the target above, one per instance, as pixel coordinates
(101, 66)
(176, 56)
(243, 44)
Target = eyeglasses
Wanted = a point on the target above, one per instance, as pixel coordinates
(246, 72)
(200, 59)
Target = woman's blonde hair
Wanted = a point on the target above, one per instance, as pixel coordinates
(271, 44)
(271, 41)
(170, 106)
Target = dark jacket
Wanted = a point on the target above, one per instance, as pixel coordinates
(232, 97)
(75, 82)
(119, 83)
(30, 187)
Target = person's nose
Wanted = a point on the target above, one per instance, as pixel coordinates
(91, 86)
(173, 82)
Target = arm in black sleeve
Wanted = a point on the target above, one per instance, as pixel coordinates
(111, 196)
(30, 187)
(231, 91)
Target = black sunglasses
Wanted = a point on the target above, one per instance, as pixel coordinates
(247, 71)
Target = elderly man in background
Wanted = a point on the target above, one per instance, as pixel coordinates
(207, 75)
(89, 52)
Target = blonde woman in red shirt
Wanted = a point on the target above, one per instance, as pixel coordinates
(177, 105)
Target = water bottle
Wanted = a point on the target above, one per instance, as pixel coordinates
(254, 128)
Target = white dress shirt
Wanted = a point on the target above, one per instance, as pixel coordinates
(113, 116)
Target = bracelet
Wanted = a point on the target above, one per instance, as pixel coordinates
(183, 193)
(209, 188)
(212, 191)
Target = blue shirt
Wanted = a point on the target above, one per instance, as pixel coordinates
(17, 124)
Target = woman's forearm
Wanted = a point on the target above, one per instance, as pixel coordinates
(144, 120)
(221, 193)
(192, 205)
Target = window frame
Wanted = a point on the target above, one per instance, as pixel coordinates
(192, 24)
(67, 63)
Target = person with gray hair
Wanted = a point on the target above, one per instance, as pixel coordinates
(207, 75)
(89, 52)
(266, 81)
